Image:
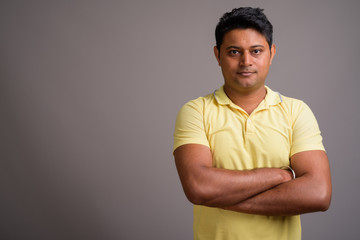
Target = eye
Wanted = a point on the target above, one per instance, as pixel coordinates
(257, 51)
(233, 52)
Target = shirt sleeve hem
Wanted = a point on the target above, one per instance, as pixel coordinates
(306, 148)
(178, 144)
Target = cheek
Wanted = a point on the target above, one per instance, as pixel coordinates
(264, 67)
(230, 64)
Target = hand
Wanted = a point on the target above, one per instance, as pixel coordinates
(288, 175)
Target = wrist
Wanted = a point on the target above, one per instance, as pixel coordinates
(288, 168)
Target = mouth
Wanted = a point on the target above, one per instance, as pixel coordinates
(245, 73)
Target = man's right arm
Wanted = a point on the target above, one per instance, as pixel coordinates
(215, 187)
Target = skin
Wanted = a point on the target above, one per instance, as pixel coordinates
(309, 192)
(245, 58)
(216, 187)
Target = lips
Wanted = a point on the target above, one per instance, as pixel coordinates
(245, 73)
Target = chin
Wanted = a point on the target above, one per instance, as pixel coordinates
(246, 85)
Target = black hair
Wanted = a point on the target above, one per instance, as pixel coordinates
(243, 18)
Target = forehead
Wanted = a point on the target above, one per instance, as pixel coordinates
(244, 38)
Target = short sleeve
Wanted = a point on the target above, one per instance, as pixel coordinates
(189, 126)
(306, 132)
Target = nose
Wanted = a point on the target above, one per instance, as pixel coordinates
(246, 59)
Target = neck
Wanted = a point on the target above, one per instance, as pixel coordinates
(247, 100)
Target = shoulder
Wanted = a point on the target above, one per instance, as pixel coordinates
(292, 105)
(189, 126)
(294, 108)
(199, 104)
(300, 114)
(292, 102)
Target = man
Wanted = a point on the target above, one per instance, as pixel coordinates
(249, 159)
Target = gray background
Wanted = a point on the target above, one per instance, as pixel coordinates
(89, 92)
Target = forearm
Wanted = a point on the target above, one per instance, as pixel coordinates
(220, 187)
(290, 198)
(205, 185)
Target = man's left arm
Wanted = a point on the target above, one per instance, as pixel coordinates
(309, 192)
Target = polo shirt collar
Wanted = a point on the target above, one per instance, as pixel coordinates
(272, 98)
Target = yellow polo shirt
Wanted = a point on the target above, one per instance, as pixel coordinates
(278, 128)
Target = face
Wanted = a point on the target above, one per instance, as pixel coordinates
(244, 58)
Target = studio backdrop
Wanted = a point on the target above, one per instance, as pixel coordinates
(89, 92)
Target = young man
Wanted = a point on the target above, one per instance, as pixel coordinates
(249, 159)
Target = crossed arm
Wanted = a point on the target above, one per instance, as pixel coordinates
(264, 191)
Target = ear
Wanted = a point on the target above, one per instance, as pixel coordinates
(217, 54)
(272, 52)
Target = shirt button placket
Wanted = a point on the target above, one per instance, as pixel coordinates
(250, 129)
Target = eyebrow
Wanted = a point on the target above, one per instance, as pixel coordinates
(237, 47)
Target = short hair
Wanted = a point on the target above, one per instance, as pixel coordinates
(243, 18)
